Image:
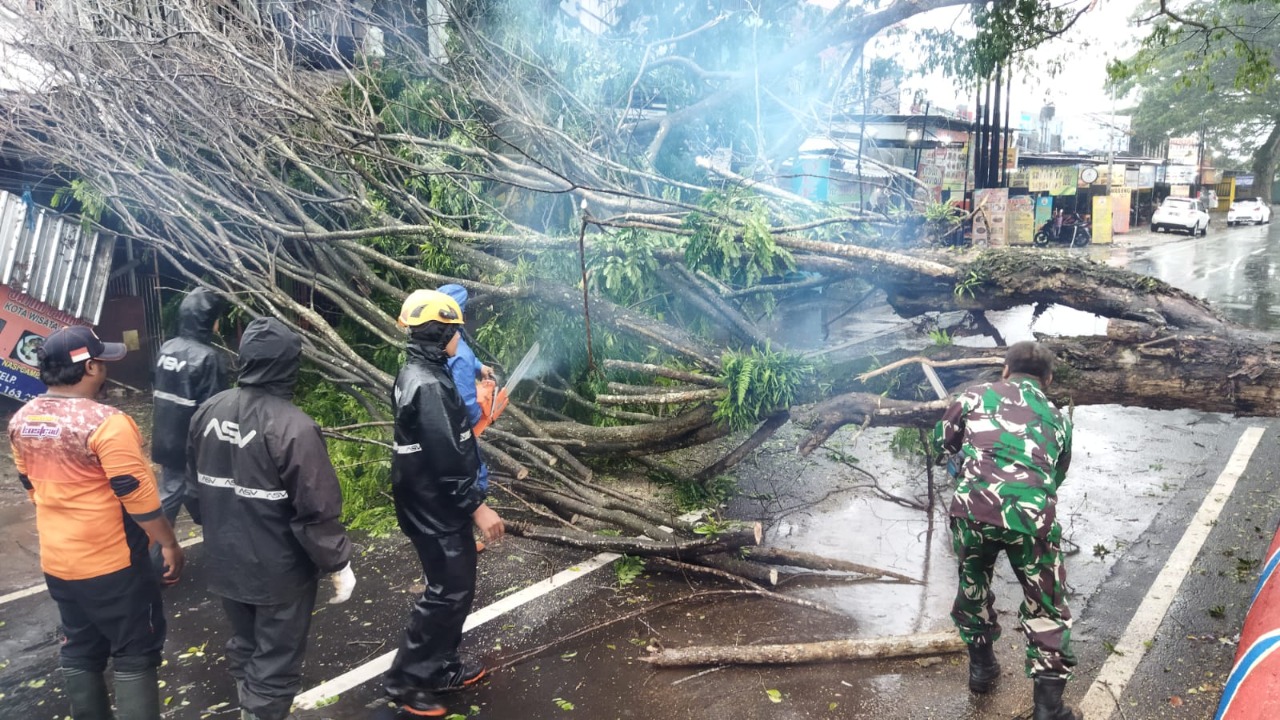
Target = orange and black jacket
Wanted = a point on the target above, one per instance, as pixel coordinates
(83, 466)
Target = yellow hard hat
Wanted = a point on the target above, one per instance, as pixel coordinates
(423, 306)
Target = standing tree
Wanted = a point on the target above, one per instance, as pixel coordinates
(1210, 70)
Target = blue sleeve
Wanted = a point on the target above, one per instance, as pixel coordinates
(464, 376)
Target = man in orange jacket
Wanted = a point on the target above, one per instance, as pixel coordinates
(83, 466)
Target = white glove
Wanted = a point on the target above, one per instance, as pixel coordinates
(344, 582)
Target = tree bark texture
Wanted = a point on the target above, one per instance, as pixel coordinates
(803, 653)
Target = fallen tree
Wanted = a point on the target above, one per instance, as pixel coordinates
(261, 157)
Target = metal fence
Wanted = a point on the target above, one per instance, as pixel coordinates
(51, 258)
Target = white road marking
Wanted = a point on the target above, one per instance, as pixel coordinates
(37, 589)
(319, 695)
(1106, 691)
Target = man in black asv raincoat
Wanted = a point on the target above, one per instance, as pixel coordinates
(189, 371)
(269, 501)
(434, 475)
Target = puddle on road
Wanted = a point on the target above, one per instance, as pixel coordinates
(1128, 463)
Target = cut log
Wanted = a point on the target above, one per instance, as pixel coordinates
(645, 547)
(816, 652)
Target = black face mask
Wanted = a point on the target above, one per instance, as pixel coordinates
(429, 341)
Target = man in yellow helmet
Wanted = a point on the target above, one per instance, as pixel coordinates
(434, 480)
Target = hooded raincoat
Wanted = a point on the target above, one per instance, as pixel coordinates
(268, 496)
(436, 467)
(188, 371)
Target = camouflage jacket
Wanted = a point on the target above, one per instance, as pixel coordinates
(1015, 447)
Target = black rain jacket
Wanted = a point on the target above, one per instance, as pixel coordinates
(189, 371)
(268, 496)
(436, 463)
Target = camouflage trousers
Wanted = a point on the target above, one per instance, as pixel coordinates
(1038, 564)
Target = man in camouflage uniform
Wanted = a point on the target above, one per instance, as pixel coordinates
(1014, 448)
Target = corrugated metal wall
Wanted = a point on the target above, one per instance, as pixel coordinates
(49, 257)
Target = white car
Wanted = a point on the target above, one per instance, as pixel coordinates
(1185, 214)
(1248, 210)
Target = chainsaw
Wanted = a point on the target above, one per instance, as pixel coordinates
(492, 400)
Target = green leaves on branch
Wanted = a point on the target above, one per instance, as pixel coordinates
(624, 266)
(732, 242)
(760, 382)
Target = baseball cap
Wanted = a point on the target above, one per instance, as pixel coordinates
(77, 343)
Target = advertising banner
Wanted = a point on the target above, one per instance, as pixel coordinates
(24, 324)
(1146, 177)
(1102, 219)
(1121, 200)
(944, 168)
(1180, 174)
(1022, 220)
(1055, 180)
(990, 220)
(1044, 211)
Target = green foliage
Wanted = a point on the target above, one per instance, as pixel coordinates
(969, 283)
(759, 382)
(623, 266)
(906, 444)
(731, 241)
(1003, 30)
(941, 337)
(92, 202)
(363, 469)
(628, 568)
(693, 495)
(1220, 82)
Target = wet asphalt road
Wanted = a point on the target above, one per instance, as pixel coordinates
(1140, 477)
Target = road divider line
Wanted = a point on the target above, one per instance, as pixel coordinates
(323, 694)
(1104, 695)
(37, 589)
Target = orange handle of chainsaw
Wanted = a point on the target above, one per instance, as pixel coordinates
(492, 402)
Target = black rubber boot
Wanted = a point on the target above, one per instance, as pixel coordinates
(138, 695)
(87, 692)
(984, 670)
(420, 703)
(1048, 695)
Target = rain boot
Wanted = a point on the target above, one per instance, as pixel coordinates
(87, 692)
(1048, 696)
(984, 670)
(138, 695)
(246, 715)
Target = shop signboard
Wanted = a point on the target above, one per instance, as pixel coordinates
(990, 220)
(1102, 219)
(1022, 220)
(1184, 150)
(1121, 204)
(24, 324)
(1055, 180)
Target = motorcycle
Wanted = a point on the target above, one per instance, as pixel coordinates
(1073, 231)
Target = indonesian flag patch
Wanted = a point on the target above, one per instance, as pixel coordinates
(80, 355)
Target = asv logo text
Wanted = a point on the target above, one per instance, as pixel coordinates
(171, 363)
(228, 431)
